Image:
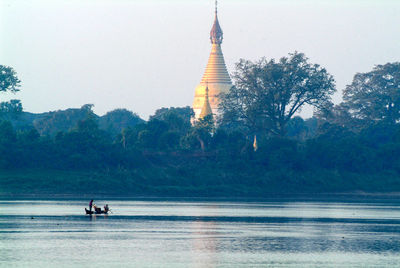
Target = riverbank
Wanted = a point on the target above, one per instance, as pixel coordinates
(185, 182)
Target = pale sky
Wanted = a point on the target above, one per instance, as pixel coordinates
(146, 54)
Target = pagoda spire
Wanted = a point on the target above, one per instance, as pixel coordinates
(216, 34)
(206, 110)
(216, 71)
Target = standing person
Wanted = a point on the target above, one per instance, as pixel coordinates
(90, 205)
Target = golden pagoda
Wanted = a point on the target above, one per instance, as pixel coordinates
(216, 78)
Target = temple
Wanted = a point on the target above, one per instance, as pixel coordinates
(216, 78)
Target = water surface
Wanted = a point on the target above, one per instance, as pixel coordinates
(201, 234)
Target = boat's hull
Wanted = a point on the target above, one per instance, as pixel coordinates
(89, 212)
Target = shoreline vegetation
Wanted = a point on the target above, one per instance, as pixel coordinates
(256, 147)
(136, 184)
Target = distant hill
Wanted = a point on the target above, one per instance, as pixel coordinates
(50, 123)
(25, 120)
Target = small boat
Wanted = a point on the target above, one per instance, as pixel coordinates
(96, 211)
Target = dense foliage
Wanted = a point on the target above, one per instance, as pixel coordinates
(8, 79)
(78, 152)
(9, 82)
(267, 94)
(375, 95)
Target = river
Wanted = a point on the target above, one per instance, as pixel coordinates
(167, 233)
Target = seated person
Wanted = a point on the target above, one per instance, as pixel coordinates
(106, 209)
(96, 209)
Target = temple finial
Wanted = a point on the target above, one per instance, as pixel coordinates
(216, 34)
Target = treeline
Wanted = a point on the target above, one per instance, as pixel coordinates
(168, 156)
(258, 146)
(309, 145)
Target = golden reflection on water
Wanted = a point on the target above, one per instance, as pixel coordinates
(204, 243)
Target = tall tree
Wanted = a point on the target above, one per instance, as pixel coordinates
(8, 79)
(9, 82)
(338, 115)
(375, 95)
(267, 94)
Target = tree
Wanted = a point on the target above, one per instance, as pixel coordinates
(7, 133)
(200, 134)
(185, 113)
(88, 125)
(206, 123)
(63, 120)
(169, 140)
(8, 79)
(336, 114)
(88, 108)
(148, 134)
(117, 120)
(177, 118)
(375, 95)
(267, 94)
(10, 109)
(296, 128)
(9, 82)
(8, 156)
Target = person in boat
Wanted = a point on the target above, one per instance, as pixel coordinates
(97, 210)
(106, 209)
(90, 205)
